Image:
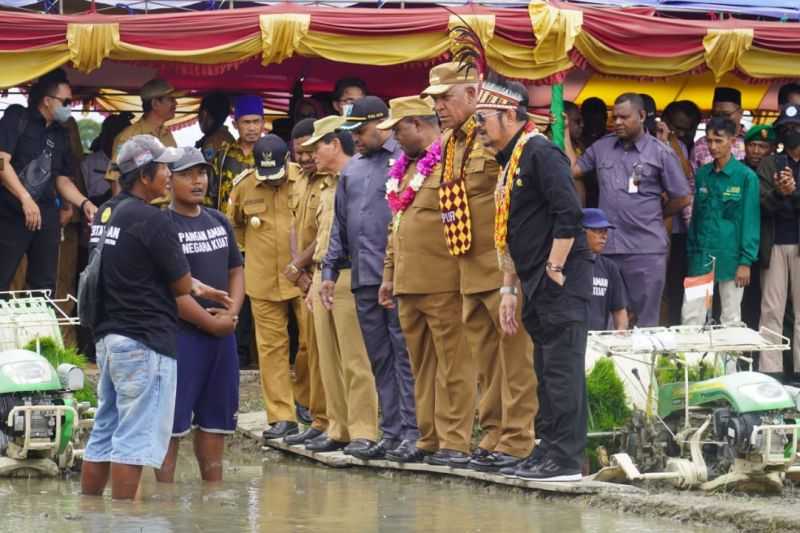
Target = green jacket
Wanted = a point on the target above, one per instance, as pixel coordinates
(725, 220)
(771, 202)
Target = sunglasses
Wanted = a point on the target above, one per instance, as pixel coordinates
(64, 101)
(480, 118)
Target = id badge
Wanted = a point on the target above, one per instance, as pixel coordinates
(633, 186)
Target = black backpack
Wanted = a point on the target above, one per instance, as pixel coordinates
(90, 285)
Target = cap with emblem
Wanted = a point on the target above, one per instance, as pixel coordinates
(407, 106)
(190, 157)
(762, 132)
(364, 110)
(790, 114)
(158, 88)
(270, 153)
(139, 150)
(323, 127)
(446, 75)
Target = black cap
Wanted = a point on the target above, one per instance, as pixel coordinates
(790, 114)
(364, 110)
(728, 94)
(270, 153)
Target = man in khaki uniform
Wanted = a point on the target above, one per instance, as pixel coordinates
(304, 203)
(159, 101)
(259, 212)
(504, 363)
(420, 271)
(350, 392)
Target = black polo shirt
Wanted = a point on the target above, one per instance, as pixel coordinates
(608, 293)
(26, 146)
(544, 206)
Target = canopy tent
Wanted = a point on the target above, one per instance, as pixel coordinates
(780, 9)
(269, 48)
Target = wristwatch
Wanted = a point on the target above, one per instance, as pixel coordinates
(554, 268)
(508, 290)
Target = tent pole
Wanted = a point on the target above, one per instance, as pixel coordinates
(557, 111)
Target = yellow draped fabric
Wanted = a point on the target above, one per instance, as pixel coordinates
(760, 63)
(483, 25)
(555, 31)
(20, 66)
(374, 50)
(281, 34)
(725, 47)
(224, 53)
(90, 44)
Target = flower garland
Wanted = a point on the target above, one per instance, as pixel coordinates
(504, 186)
(399, 201)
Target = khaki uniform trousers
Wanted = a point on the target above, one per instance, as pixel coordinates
(271, 321)
(506, 379)
(350, 394)
(444, 374)
(308, 385)
(782, 276)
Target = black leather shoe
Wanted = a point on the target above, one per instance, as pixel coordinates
(323, 443)
(279, 430)
(303, 414)
(376, 451)
(494, 462)
(549, 470)
(445, 457)
(302, 438)
(358, 445)
(480, 453)
(407, 452)
(536, 457)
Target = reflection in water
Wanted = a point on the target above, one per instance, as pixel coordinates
(285, 495)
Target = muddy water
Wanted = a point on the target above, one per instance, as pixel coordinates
(279, 495)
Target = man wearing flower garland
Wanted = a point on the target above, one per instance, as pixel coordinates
(503, 362)
(420, 271)
(538, 226)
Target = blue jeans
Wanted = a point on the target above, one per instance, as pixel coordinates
(136, 404)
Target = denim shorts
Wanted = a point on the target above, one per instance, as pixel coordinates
(136, 404)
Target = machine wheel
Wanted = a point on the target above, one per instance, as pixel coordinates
(690, 476)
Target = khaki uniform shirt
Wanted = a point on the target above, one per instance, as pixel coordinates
(140, 127)
(261, 221)
(479, 269)
(417, 259)
(324, 215)
(306, 222)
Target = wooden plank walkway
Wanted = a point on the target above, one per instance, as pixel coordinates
(252, 424)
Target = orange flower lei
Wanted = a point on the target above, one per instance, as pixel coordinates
(505, 184)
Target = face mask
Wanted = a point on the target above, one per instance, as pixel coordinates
(791, 139)
(61, 114)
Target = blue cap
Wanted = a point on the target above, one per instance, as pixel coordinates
(596, 219)
(248, 104)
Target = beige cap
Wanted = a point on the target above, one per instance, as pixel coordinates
(446, 75)
(324, 126)
(156, 89)
(407, 106)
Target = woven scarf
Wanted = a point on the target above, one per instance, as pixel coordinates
(453, 200)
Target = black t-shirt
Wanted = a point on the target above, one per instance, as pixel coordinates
(544, 206)
(141, 258)
(608, 293)
(210, 247)
(28, 146)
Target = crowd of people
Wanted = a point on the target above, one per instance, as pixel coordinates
(399, 266)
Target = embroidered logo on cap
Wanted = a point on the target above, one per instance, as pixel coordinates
(791, 111)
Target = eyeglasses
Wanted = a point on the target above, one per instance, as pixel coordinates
(64, 101)
(480, 118)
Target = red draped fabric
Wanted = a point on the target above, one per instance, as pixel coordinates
(25, 30)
